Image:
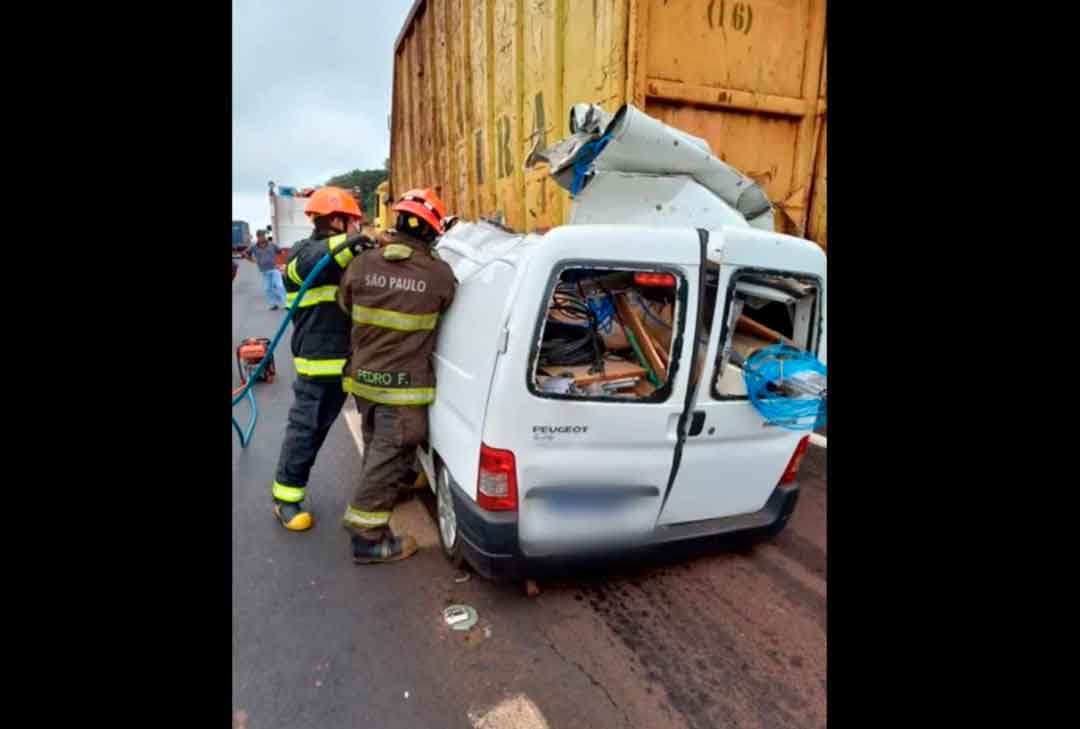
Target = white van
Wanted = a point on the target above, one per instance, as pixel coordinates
(531, 459)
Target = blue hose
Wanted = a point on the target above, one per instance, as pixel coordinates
(245, 438)
(765, 373)
(245, 435)
(583, 162)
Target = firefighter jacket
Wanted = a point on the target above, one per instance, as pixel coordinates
(394, 295)
(320, 340)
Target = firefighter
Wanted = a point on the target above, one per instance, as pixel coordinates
(394, 295)
(320, 345)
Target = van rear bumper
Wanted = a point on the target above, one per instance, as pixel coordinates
(490, 542)
(489, 539)
(772, 516)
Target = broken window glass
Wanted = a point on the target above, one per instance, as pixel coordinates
(608, 334)
(763, 309)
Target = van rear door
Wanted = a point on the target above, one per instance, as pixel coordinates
(591, 470)
(731, 461)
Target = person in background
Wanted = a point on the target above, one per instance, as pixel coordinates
(263, 254)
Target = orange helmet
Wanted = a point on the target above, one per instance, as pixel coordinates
(424, 204)
(330, 200)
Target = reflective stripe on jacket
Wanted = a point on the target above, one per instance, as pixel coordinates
(394, 296)
(320, 340)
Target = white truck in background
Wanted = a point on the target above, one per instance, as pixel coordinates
(288, 223)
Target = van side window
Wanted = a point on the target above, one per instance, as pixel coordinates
(762, 309)
(609, 334)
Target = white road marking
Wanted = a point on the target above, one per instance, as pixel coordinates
(517, 712)
(352, 419)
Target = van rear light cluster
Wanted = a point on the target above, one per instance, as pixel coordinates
(496, 483)
(792, 470)
(654, 279)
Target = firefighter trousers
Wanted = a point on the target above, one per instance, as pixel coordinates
(316, 405)
(391, 434)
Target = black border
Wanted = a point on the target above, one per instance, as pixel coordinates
(128, 549)
(132, 611)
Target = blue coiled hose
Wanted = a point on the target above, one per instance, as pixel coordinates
(246, 393)
(765, 372)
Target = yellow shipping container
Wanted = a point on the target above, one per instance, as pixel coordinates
(479, 83)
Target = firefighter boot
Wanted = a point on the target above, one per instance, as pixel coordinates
(292, 516)
(390, 549)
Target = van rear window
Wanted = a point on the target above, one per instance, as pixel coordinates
(763, 309)
(609, 334)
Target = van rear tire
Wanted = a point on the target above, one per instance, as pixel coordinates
(447, 519)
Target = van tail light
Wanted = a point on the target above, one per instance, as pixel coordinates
(792, 469)
(496, 483)
(654, 279)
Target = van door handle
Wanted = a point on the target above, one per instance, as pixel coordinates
(697, 423)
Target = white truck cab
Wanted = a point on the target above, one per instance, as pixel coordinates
(528, 462)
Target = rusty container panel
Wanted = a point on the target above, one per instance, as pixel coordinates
(754, 46)
(400, 158)
(481, 58)
(462, 200)
(418, 103)
(427, 92)
(507, 71)
(440, 111)
(746, 76)
(816, 228)
(594, 53)
(543, 109)
(593, 62)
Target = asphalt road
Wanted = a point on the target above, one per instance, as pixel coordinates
(716, 635)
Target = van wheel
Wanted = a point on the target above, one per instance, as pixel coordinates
(449, 537)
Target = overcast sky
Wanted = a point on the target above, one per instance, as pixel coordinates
(311, 93)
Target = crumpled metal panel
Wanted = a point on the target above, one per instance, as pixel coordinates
(468, 247)
(641, 144)
(643, 199)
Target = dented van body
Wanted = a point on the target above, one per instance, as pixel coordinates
(633, 445)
